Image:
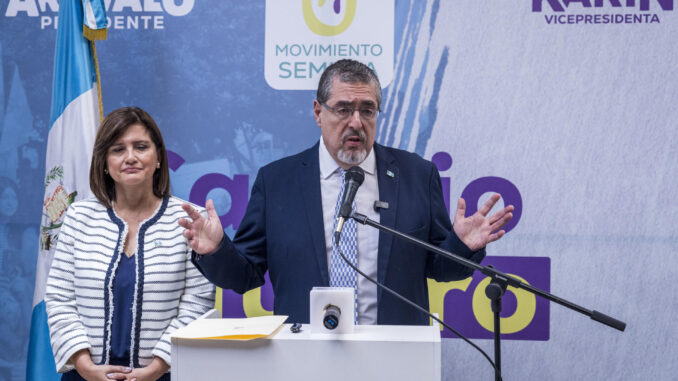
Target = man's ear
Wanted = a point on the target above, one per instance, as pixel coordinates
(317, 108)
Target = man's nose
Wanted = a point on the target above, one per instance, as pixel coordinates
(354, 120)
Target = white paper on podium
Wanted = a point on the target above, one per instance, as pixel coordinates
(231, 329)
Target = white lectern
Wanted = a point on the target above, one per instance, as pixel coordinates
(369, 353)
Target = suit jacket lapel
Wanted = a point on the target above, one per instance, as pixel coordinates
(389, 180)
(308, 178)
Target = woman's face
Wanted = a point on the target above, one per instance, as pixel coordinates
(132, 159)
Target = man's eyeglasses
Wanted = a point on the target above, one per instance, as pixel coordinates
(345, 112)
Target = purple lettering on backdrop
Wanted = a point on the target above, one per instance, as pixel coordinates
(458, 305)
(237, 187)
(509, 193)
(337, 6)
(443, 162)
(555, 5)
(614, 3)
(174, 160)
(666, 5)
(584, 3)
(232, 302)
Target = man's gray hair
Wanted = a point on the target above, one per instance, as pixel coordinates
(348, 71)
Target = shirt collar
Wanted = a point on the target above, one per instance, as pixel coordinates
(328, 166)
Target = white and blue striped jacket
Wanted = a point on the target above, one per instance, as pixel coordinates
(169, 291)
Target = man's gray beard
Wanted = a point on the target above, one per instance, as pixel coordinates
(351, 157)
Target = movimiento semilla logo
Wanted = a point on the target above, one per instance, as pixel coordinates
(304, 36)
(324, 29)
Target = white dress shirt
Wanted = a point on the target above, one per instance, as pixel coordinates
(368, 237)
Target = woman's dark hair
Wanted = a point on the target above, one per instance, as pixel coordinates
(112, 128)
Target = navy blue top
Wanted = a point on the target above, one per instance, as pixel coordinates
(121, 325)
(123, 297)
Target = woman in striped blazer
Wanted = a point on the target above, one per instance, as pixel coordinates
(122, 279)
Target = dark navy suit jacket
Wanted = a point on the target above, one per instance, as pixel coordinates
(283, 232)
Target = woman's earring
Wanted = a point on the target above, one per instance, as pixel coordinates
(157, 165)
(105, 171)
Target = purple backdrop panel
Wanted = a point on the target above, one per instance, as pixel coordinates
(462, 315)
(232, 302)
(459, 310)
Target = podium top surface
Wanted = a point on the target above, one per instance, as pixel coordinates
(393, 333)
(385, 333)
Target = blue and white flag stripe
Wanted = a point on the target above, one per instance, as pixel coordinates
(74, 71)
(95, 14)
(74, 119)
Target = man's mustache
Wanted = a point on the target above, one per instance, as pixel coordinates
(360, 134)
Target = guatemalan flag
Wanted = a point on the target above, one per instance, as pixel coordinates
(75, 115)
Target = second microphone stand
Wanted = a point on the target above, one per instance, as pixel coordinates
(495, 290)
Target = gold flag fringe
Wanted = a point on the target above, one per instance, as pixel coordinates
(94, 34)
(96, 66)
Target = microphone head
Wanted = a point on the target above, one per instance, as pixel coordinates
(356, 174)
(353, 178)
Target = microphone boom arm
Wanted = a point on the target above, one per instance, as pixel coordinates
(494, 274)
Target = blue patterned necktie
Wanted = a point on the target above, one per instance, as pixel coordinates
(341, 275)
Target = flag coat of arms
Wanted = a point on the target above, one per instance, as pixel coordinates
(75, 115)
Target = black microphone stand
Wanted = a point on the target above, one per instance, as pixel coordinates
(495, 290)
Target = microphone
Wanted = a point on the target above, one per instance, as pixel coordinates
(353, 178)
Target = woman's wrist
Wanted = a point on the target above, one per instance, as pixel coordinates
(81, 359)
(158, 366)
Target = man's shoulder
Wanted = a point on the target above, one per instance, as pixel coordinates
(292, 161)
(401, 157)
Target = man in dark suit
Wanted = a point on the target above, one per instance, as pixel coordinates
(290, 217)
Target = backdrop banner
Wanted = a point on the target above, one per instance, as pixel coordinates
(566, 108)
